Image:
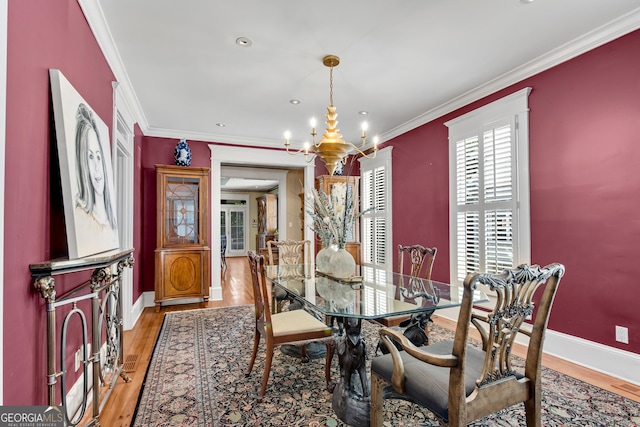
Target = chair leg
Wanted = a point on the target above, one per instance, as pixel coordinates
(267, 370)
(331, 347)
(303, 353)
(377, 384)
(533, 411)
(256, 343)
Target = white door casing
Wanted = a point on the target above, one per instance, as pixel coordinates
(122, 160)
(231, 156)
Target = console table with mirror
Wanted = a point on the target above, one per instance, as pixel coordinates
(101, 353)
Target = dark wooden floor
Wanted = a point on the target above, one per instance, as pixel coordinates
(139, 342)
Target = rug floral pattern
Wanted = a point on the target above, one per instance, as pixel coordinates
(196, 377)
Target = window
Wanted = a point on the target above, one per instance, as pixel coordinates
(375, 179)
(489, 187)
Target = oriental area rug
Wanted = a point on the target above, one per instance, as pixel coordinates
(196, 377)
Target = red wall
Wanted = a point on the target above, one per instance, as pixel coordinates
(585, 118)
(42, 34)
(584, 157)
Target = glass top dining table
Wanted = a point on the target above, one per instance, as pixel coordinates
(376, 293)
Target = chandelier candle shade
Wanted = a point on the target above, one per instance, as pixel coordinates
(331, 149)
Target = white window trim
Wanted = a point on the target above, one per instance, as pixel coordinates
(514, 106)
(383, 158)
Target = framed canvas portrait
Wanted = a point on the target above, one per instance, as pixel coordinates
(85, 171)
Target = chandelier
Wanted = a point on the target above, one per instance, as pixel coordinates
(331, 149)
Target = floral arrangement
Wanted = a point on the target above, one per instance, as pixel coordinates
(333, 215)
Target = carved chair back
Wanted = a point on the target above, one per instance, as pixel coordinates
(480, 381)
(289, 251)
(258, 280)
(515, 290)
(418, 259)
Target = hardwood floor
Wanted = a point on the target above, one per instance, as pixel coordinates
(119, 410)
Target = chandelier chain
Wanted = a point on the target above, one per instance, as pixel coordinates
(331, 85)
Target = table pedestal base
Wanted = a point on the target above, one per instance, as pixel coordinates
(354, 411)
(315, 350)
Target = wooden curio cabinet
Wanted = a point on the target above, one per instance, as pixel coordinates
(182, 255)
(267, 219)
(327, 183)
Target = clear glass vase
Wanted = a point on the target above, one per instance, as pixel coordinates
(342, 264)
(323, 257)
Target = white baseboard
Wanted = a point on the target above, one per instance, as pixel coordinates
(149, 300)
(74, 397)
(607, 360)
(136, 310)
(216, 293)
(610, 361)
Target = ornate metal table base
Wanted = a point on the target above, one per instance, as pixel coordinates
(351, 397)
(354, 411)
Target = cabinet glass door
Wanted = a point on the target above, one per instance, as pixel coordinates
(181, 211)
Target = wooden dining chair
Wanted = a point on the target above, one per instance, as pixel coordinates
(416, 261)
(285, 252)
(287, 327)
(460, 383)
(223, 251)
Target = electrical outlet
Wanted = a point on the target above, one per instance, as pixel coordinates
(622, 334)
(78, 360)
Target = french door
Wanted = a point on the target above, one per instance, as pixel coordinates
(233, 224)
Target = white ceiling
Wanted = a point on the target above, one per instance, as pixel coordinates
(405, 62)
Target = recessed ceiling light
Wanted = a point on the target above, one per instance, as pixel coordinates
(220, 125)
(244, 41)
(527, 1)
(363, 113)
(294, 101)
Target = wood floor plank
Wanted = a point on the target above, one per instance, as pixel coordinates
(236, 290)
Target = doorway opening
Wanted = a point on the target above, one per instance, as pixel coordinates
(234, 224)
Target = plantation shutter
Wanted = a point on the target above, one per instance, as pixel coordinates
(499, 194)
(376, 219)
(489, 189)
(375, 225)
(485, 200)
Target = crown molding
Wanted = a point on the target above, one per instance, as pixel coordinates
(598, 37)
(210, 137)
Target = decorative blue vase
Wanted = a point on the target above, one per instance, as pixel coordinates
(182, 153)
